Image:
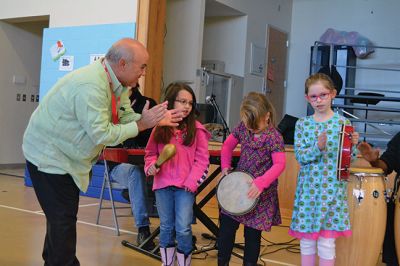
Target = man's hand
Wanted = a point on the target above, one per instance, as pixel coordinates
(368, 152)
(172, 118)
(151, 117)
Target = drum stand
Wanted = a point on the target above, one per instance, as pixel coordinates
(213, 102)
(204, 219)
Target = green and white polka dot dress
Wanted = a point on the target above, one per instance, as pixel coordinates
(320, 206)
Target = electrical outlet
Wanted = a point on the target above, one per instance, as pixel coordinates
(24, 97)
(37, 98)
(18, 97)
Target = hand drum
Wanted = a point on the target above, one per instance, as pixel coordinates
(167, 153)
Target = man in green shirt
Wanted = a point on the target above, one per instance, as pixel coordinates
(83, 112)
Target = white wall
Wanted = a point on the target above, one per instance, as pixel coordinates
(72, 12)
(221, 33)
(20, 53)
(376, 20)
(183, 41)
(277, 13)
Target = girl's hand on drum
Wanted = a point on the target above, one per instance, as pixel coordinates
(225, 171)
(153, 170)
(354, 138)
(254, 192)
(368, 152)
(322, 141)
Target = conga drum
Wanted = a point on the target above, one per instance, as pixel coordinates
(232, 193)
(367, 208)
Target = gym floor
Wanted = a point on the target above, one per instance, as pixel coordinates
(22, 230)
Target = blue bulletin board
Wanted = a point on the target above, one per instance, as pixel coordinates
(79, 44)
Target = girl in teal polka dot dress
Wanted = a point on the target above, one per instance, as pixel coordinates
(320, 212)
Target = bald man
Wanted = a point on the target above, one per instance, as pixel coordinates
(84, 111)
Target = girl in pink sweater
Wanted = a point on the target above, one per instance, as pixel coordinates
(176, 181)
(262, 156)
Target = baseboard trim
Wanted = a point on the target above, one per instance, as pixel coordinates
(12, 166)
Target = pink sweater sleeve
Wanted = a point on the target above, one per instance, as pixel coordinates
(227, 149)
(151, 153)
(278, 165)
(201, 160)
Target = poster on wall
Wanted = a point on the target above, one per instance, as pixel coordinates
(73, 47)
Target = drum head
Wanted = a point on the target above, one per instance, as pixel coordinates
(366, 170)
(232, 193)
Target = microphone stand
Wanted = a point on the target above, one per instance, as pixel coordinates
(226, 130)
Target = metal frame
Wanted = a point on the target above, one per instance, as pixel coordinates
(107, 183)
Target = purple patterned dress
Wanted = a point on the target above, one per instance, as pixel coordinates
(256, 159)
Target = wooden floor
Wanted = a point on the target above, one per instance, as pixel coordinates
(22, 229)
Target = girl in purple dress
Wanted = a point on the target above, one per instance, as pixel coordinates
(263, 157)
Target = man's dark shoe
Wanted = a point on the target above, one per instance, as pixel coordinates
(194, 240)
(144, 233)
(125, 194)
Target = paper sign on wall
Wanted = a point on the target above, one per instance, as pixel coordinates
(66, 63)
(57, 50)
(95, 57)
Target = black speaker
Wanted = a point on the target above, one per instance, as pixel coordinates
(287, 127)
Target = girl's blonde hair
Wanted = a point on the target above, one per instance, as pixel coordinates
(319, 77)
(255, 106)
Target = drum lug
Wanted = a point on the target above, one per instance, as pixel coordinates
(359, 195)
(387, 193)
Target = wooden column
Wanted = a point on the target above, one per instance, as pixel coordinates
(150, 31)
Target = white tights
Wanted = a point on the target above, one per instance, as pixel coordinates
(326, 247)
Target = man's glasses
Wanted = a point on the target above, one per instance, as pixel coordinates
(184, 102)
(314, 98)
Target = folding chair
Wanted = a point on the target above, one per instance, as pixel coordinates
(118, 155)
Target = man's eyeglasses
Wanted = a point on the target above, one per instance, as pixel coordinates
(184, 102)
(314, 98)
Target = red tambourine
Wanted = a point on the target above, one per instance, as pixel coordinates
(344, 154)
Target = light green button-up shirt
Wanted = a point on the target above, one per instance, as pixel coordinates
(72, 123)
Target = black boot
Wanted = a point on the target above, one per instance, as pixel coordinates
(144, 233)
(246, 263)
(194, 240)
(223, 262)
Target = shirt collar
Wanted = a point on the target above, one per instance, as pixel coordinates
(116, 85)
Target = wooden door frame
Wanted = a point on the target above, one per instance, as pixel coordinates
(150, 30)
